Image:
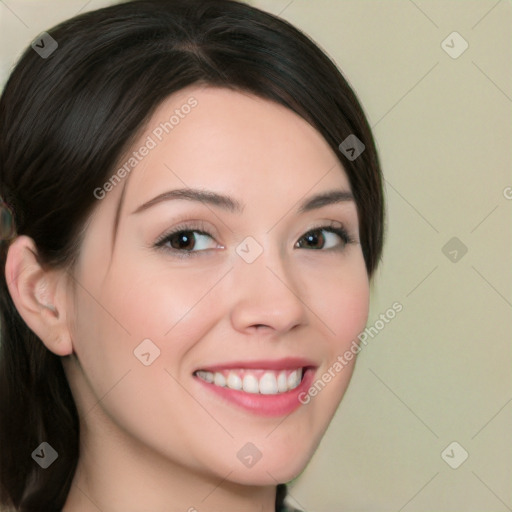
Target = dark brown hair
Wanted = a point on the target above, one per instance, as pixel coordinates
(67, 118)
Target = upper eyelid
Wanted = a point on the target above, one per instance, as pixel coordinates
(185, 226)
(200, 226)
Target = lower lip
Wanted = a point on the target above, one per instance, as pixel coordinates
(281, 404)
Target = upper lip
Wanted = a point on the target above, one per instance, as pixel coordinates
(288, 363)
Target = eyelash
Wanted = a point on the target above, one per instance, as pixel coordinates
(200, 229)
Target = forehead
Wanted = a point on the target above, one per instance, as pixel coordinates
(219, 139)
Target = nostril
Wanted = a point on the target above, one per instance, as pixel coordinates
(260, 327)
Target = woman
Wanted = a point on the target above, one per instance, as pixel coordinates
(193, 211)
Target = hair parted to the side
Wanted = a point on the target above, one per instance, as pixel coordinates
(66, 120)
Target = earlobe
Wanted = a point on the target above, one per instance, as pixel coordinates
(39, 295)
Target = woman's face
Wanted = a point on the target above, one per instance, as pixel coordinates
(249, 292)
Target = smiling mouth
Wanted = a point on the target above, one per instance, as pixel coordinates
(255, 381)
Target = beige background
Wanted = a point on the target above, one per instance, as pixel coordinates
(440, 371)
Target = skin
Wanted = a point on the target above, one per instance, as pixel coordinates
(152, 437)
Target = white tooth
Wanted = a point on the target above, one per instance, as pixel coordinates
(207, 376)
(282, 382)
(250, 384)
(234, 381)
(294, 378)
(219, 379)
(268, 384)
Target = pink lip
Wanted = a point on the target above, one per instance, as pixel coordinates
(281, 404)
(288, 363)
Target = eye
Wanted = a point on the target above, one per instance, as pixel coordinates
(315, 237)
(186, 239)
(190, 240)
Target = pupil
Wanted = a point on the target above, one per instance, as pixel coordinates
(185, 238)
(313, 239)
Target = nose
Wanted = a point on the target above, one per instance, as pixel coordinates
(267, 295)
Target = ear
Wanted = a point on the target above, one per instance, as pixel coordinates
(40, 295)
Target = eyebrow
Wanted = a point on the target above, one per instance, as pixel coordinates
(230, 204)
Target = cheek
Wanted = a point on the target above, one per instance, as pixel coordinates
(348, 311)
(132, 340)
(339, 295)
(342, 306)
(158, 301)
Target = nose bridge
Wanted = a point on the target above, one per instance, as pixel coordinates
(266, 291)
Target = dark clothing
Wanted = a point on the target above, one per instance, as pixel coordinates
(280, 496)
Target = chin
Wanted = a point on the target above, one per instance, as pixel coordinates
(279, 466)
(268, 475)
